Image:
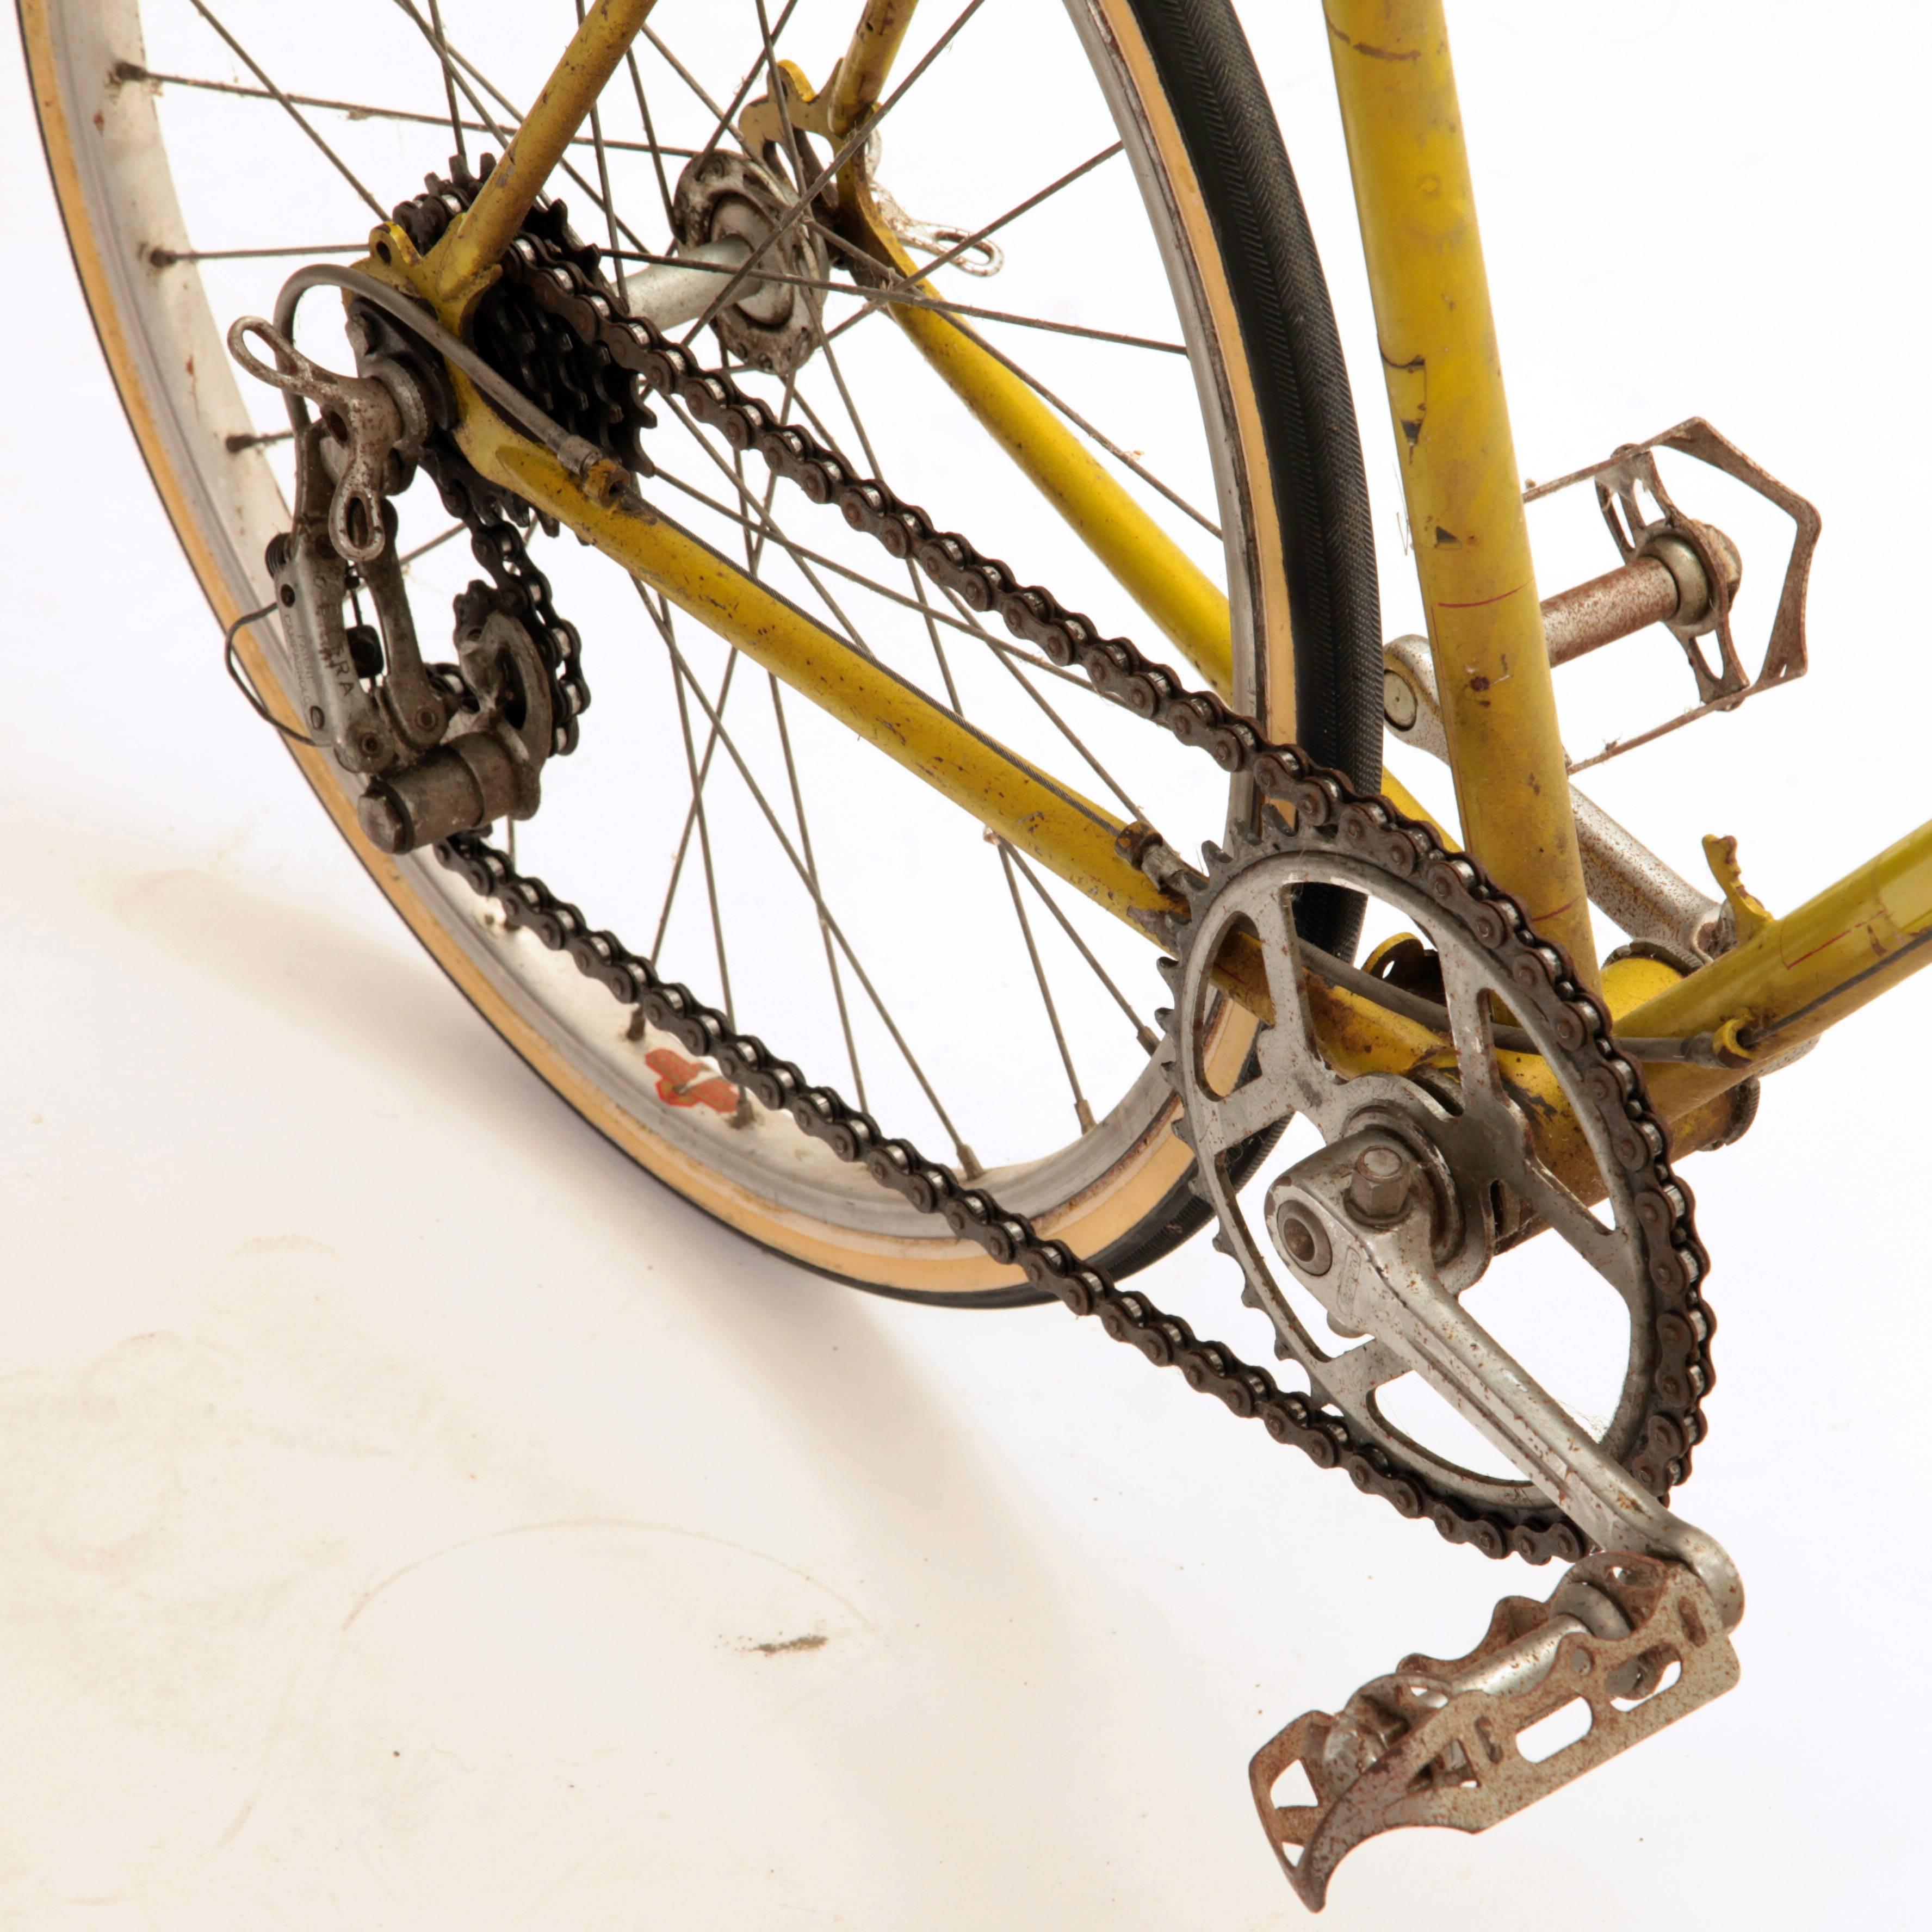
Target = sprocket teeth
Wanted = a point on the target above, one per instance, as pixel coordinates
(1214, 857)
(1169, 970)
(1197, 1186)
(1220, 1244)
(1249, 1299)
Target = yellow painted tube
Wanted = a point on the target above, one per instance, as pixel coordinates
(1800, 974)
(1189, 609)
(1036, 814)
(477, 238)
(1418, 211)
(861, 75)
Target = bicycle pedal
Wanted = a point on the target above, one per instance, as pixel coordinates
(1636, 1640)
(1682, 573)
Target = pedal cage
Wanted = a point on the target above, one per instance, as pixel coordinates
(1632, 469)
(1436, 1742)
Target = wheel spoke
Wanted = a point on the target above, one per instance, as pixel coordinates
(356, 110)
(1125, 457)
(603, 176)
(166, 258)
(817, 897)
(651, 137)
(1143, 1033)
(663, 619)
(1005, 659)
(690, 79)
(691, 810)
(723, 124)
(449, 81)
(295, 113)
(907, 299)
(409, 556)
(968, 1162)
(1082, 1112)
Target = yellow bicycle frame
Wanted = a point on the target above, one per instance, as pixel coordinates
(1778, 989)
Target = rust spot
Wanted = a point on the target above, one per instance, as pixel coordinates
(100, 121)
(1447, 539)
(1369, 52)
(1411, 431)
(812, 1640)
(1479, 682)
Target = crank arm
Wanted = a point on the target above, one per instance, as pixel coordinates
(1638, 1632)
(1383, 1280)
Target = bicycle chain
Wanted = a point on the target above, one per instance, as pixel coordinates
(1322, 801)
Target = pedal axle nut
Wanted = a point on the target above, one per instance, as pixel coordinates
(1301, 1238)
(1378, 1189)
(1399, 704)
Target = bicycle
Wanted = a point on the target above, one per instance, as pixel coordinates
(1450, 1046)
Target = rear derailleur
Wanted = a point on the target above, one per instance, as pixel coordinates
(445, 748)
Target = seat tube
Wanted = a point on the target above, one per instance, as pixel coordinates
(1437, 335)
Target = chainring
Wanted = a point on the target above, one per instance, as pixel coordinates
(1482, 1129)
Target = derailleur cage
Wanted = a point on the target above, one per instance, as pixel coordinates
(445, 748)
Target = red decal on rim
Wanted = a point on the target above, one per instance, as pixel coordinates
(689, 1083)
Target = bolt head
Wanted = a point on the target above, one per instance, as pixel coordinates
(1399, 701)
(1378, 1189)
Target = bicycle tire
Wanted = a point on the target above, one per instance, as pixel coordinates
(1195, 104)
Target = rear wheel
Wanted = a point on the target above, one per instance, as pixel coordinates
(1165, 300)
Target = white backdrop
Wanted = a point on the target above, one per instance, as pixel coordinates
(411, 1516)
